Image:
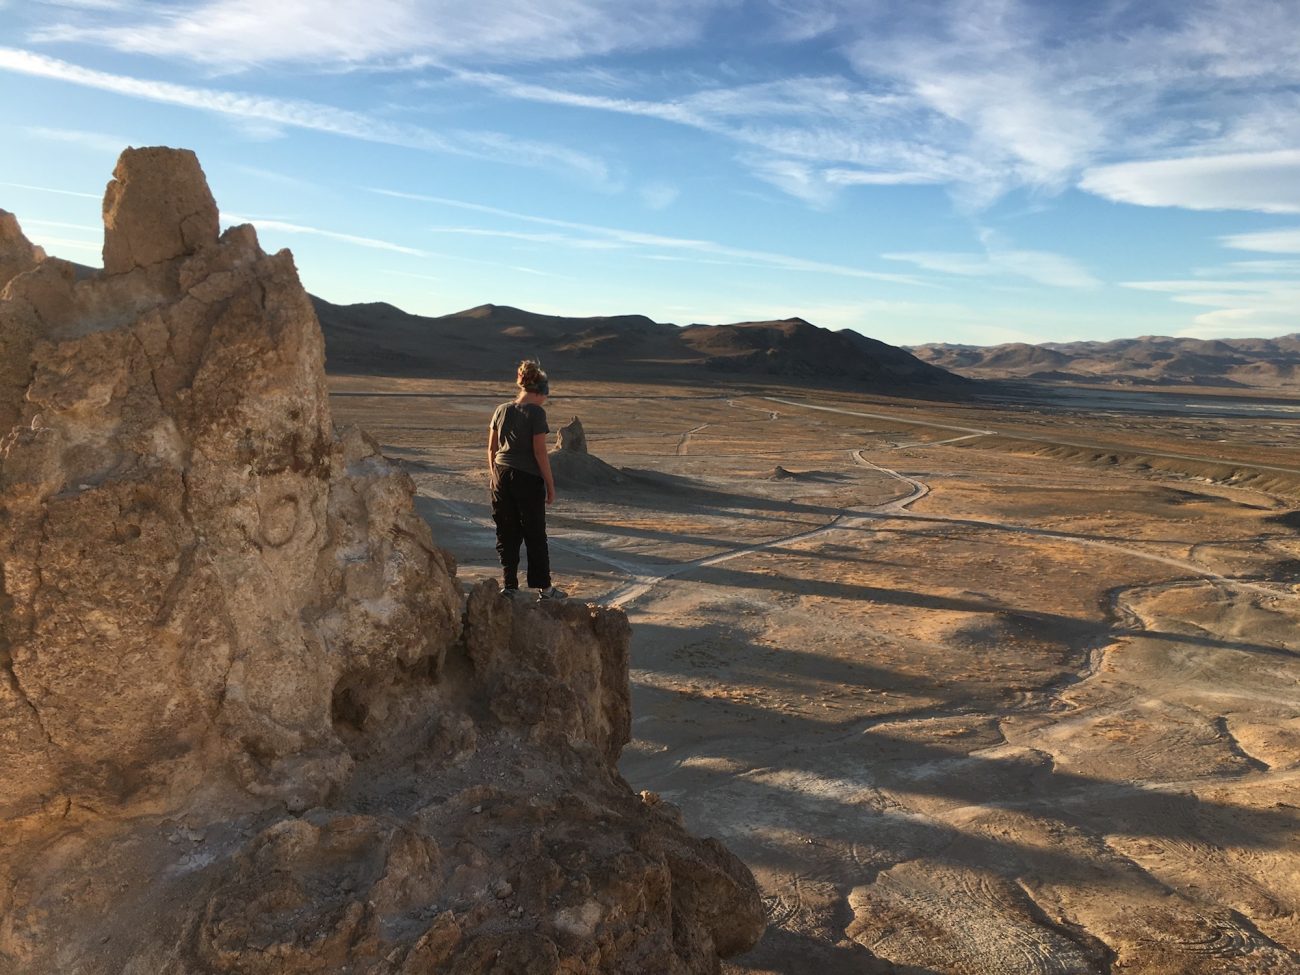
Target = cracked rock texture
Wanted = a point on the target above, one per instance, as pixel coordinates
(248, 722)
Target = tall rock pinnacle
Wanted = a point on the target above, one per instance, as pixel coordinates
(157, 208)
(248, 720)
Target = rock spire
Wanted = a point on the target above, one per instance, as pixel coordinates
(248, 721)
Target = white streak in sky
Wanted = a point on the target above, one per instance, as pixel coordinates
(98, 141)
(62, 225)
(295, 228)
(1283, 241)
(52, 189)
(238, 33)
(316, 117)
(639, 239)
(1044, 267)
(1268, 182)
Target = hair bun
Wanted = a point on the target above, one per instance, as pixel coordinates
(530, 374)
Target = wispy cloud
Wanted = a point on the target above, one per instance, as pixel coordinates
(1163, 103)
(317, 117)
(62, 225)
(808, 136)
(52, 189)
(1045, 91)
(238, 33)
(411, 274)
(990, 95)
(536, 272)
(1291, 267)
(1258, 306)
(1283, 241)
(659, 242)
(998, 259)
(862, 177)
(460, 258)
(53, 245)
(658, 195)
(270, 176)
(1268, 182)
(98, 5)
(295, 228)
(567, 240)
(98, 141)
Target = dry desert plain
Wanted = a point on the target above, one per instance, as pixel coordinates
(989, 687)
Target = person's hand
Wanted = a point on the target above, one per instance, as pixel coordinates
(550, 494)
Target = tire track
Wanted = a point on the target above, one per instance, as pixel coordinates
(857, 519)
(935, 425)
(685, 439)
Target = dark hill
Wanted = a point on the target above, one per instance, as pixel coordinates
(481, 342)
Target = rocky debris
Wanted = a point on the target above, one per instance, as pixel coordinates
(571, 436)
(248, 723)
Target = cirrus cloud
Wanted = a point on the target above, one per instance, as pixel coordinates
(1282, 241)
(297, 113)
(241, 33)
(1268, 182)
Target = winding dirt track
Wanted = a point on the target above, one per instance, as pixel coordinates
(641, 581)
(1013, 435)
(851, 519)
(872, 832)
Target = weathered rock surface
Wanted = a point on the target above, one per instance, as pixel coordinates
(574, 466)
(17, 253)
(571, 436)
(248, 723)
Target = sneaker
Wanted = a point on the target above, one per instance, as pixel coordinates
(509, 590)
(552, 593)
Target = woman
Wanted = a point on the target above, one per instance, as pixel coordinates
(522, 485)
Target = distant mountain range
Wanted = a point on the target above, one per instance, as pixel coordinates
(487, 342)
(1148, 361)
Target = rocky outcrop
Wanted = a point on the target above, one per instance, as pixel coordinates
(17, 253)
(248, 723)
(574, 467)
(571, 436)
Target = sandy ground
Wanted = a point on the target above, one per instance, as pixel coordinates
(992, 689)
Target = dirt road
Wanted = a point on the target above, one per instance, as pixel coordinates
(960, 710)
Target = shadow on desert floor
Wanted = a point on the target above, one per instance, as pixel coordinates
(1028, 784)
(1029, 780)
(1072, 631)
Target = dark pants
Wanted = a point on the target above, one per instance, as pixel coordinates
(519, 510)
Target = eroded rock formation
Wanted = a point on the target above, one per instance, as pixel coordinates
(248, 723)
(571, 436)
(574, 466)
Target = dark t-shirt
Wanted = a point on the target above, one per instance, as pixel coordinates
(516, 424)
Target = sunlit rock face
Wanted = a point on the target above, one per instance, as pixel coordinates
(248, 721)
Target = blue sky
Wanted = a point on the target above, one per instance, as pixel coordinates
(968, 171)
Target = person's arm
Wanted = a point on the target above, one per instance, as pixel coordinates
(544, 465)
(493, 444)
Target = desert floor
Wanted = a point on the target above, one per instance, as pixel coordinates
(989, 688)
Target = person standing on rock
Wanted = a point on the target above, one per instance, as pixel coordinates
(522, 485)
